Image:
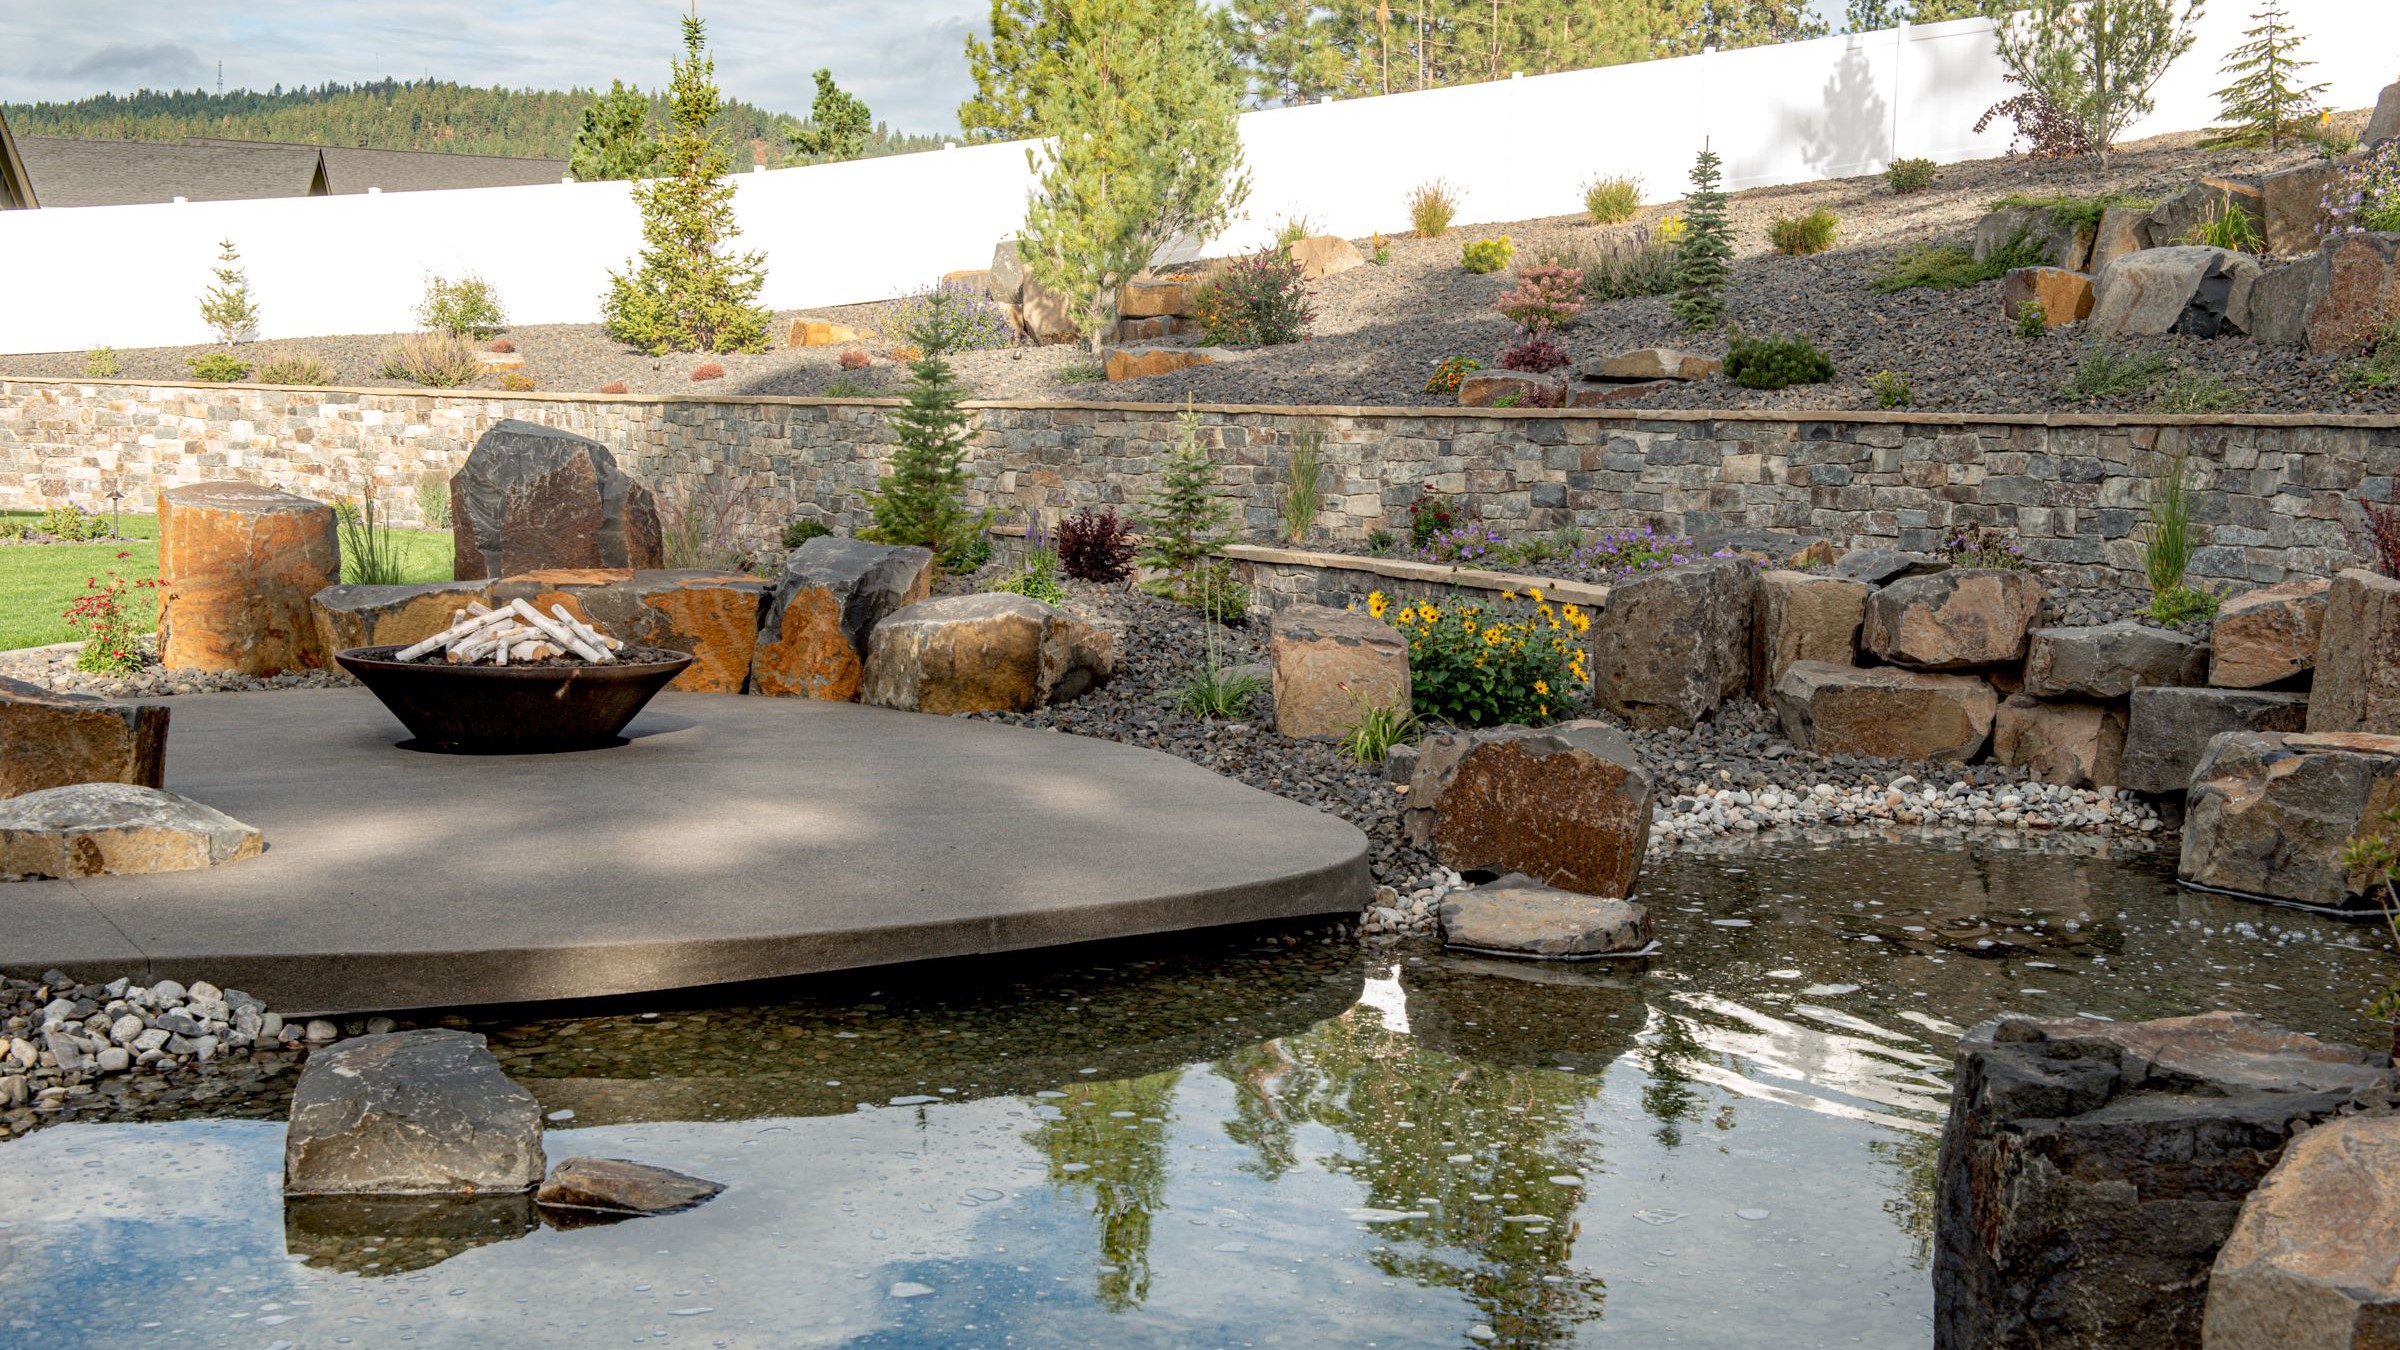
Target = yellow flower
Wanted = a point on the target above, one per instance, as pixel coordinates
(1467, 624)
(1541, 687)
(1535, 592)
(1375, 604)
(1508, 595)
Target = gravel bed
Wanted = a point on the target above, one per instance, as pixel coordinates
(53, 667)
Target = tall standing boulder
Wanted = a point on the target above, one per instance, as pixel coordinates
(1670, 646)
(2357, 686)
(2268, 813)
(2314, 1259)
(237, 565)
(2168, 730)
(410, 1113)
(1330, 666)
(50, 739)
(2110, 660)
(1567, 805)
(1953, 620)
(2123, 230)
(2334, 299)
(1803, 616)
(994, 652)
(534, 498)
(831, 594)
(2384, 123)
(2292, 207)
(2269, 635)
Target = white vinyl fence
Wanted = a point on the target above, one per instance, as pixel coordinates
(129, 276)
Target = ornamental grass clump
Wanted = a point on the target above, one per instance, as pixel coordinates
(371, 552)
(1431, 208)
(1801, 236)
(1611, 201)
(1474, 664)
(2167, 545)
(1304, 473)
(1379, 727)
(435, 360)
(1623, 265)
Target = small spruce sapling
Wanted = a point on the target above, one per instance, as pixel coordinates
(1185, 518)
(1704, 258)
(2265, 103)
(227, 306)
(923, 500)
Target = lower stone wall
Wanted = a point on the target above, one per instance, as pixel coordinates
(2273, 501)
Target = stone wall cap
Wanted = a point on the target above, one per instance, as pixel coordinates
(1588, 594)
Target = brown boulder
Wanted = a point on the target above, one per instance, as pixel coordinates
(1884, 713)
(1330, 666)
(390, 616)
(2293, 206)
(1151, 297)
(1568, 805)
(616, 1186)
(833, 591)
(2357, 684)
(2334, 299)
(2268, 635)
(1046, 316)
(1803, 616)
(2065, 297)
(2123, 230)
(2269, 812)
(1670, 646)
(2314, 1259)
(1324, 255)
(50, 740)
(533, 498)
(821, 333)
(1652, 363)
(712, 615)
(1004, 280)
(1507, 389)
(1158, 328)
(1601, 393)
(115, 829)
(2384, 123)
(995, 652)
(237, 564)
(1954, 619)
(2070, 744)
(1135, 363)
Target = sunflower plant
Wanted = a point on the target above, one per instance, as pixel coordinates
(1481, 665)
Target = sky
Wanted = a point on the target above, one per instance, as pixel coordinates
(904, 57)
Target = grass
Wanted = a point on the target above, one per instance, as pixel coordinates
(2107, 370)
(1948, 267)
(1612, 201)
(1801, 236)
(2072, 213)
(39, 581)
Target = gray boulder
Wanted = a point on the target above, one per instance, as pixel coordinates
(1953, 620)
(2090, 1171)
(115, 829)
(1884, 712)
(1006, 280)
(1518, 916)
(410, 1113)
(1882, 566)
(831, 594)
(2067, 246)
(533, 498)
(2357, 682)
(2190, 289)
(2310, 1261)
(1670, 646)
(2168, 730)
(2268, 812)
(616, 1186)
(2110, 660)
(2292, 207)
(2123, 230)
(2332, 300)
(2384, 123)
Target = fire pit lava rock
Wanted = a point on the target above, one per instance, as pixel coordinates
(523, 709)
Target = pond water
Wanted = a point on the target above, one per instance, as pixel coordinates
(1258, 1139)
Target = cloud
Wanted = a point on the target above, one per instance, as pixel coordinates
(163, 62)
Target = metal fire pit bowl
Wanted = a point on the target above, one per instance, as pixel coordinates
(510, 710)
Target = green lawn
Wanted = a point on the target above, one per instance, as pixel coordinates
(38, 582)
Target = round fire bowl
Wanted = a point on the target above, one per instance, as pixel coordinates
(510, 710)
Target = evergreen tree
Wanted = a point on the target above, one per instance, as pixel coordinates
(2265, 102)
(1867, 16)
(1941, 11)
(1026, 56)
(614, 140)
(1704, 260)
(1184, 520)
(687, 292)
(838, 124)
(1145, 149)
(923, 500)
(227, 306)
(1726, 24)
(1287, 49)
(2094, 61)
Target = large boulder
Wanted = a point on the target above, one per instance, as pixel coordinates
(1652, 363)
(2333, 300)
(617, 1186)
(2090, 1170)
(2269, 635)
(2168, 730)
(533, 498)
(1508, 389)
(2357, 684)
(237, 564)
(2070, 744)
(115, 829)
(712, 615)
(1884, 713)
(831, 594)
(50, 740)
(1153, 297)
(1330, 666)
(2063, 245)
(1045, 315)
(1518, 916)
(2314, 1259)
(1004, 281)
(1142, 362)
(1325, 255)
(1952, 620)
(2384, 123)
(995, 652)
(1567, 805)
(391, 616)
(2292, 207)
(2269, 812)
(2173, 221)
(2064, 297)
(2191, 289)
(2123, 230)
(1803, 616)
(1670, 646)
(410, 1113)
(2110, 660)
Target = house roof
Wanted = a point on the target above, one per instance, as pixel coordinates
(350, 170)
(67, 171)
(16, 186)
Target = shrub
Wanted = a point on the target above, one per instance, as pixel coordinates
(1890, 388)
(2378, 367)
(2107, 370)
(1911, 175)
(112, 617)
(517, 382)
(2050, 131)
(1948, 267)
(1380, 726)
(1482, 256)
(966, 557)
(2033, 320)
(1610, 201)
(2193, 392)
(1983, 546)
(923, 500)
(1629, 263)
(1431, 208)
(226, 306)
(1671, 230)
(433, 501)
(100, 363)
(853, 359)
(844, 387)
(1428, 516)
(1704, 256)
(1257, 301)
(1545, 299)
(2228, 227)
(1080, 372)
(2167, 544)
(1775, 363)
(69, 523)
(1380, 541)
(1293, 230)
(467, 307)
(1536, 354)
(219, 368)
(1800, 236)
(436, 360)
(713, 523)
(1037, 577)
(802, 529)
(1304, 470)
(1478, 665)
(947, 318)
(1450, 370)
(1224, 693)
(295, 368)
(371, 554)
(1095, 547)
(1379, 252)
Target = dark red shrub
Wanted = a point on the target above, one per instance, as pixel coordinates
(1095, 547)
(2382, 532)
(1537, 354)
(854, 359)
(708, 370)
(2053, 134)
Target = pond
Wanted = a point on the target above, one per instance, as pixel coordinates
(1270, 1138)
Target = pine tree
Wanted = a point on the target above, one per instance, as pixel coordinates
(1145, 149)
(838, 124)
(1288, 50)
(1726, 24)
(687, 292)
(1704, 259)
(2094, 61)
(1867, 16)
(923, 500)
(614, 141)
(2264, 103)
(1184, 520)
(1026, 55)
(227, 306)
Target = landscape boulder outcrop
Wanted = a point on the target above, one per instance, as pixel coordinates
(2090, 1171)
(616, 1186)
(2070, 744)
(2064, 297)
(2334, 299)
(2064, 244)
(1803, 616)
(391, 616)
(1652, 363)
(1567, 805)
(1518, 916)
(1883, 712)
(2269, 635)
(533, 498)
(2123, 230)
(1671, 645)
(994, 652)
(2168, 730)
(2291, 207)
(1508, 389)
(2110, 660)
(2357, 681)
(410, 1113)
(1955, 619)
(1330, 666)
(712, 615)
(115, 829)
(2269, 812)
(1325, 255)
(2314, 1259)
(237, 564)
(2191, 289)
(50, 740)
(1141, 362)
(828, 599)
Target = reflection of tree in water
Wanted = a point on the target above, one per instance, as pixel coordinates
(1669, 1096)
(1115, 1135)
(1915, 1157)
(1404, 1111)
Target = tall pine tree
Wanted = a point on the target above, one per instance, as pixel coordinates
(838, 124)
(687, 291)
(614, 141)
(1025, 55)
(1704, 259)
(2266, 100)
